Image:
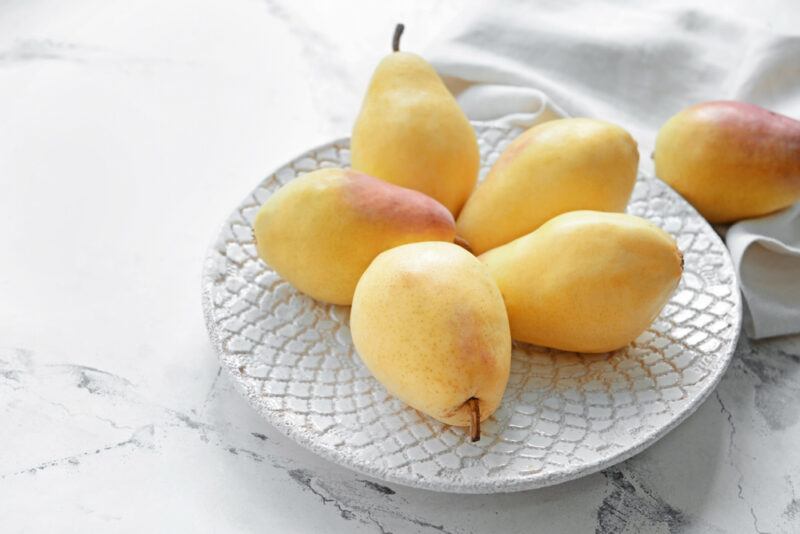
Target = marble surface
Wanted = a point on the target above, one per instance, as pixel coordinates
(128, 132)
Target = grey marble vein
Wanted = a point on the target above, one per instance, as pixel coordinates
(32, 51)
(630, 505)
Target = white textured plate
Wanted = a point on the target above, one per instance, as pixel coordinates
(564, 415)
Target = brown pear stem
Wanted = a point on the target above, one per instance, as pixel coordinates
(474, 419)
(463, 243)
(398, 32)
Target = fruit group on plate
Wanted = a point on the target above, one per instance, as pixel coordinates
(547, 254)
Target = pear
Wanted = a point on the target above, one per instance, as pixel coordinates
(586, 281)
(731, 160)
(430, 324)
(321, 230)
(411, 132)
(552, 168)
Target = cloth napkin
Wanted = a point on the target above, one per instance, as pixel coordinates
(637, 64)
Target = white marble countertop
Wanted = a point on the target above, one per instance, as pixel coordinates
(128, 131)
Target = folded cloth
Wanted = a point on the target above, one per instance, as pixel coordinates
(766, 252)
(636, 64)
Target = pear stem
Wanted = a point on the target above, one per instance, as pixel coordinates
(474, 419)
(398, 32)
(463, 243)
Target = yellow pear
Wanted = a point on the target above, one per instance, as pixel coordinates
(411, 132)
(554, 167)
(321, 230)
(430, 324)
(586, 281)
(731, 160)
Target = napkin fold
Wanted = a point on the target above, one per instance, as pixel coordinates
(636, 64)
(766, 252)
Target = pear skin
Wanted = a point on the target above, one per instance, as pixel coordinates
(586, 281)
(430, 324)
(321, 230)
(731, 160)
(411, 132)
(552, 168)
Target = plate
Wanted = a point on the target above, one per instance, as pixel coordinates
(564, 415)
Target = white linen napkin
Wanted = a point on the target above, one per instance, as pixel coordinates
(636, 64)
(766, 252)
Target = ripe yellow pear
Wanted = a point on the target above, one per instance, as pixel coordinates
(411, 132)
(554, 167)
(321, 230)
(731, 160)
(430, 324)
(586, 281)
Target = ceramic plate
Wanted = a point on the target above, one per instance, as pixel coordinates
(564, 415)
